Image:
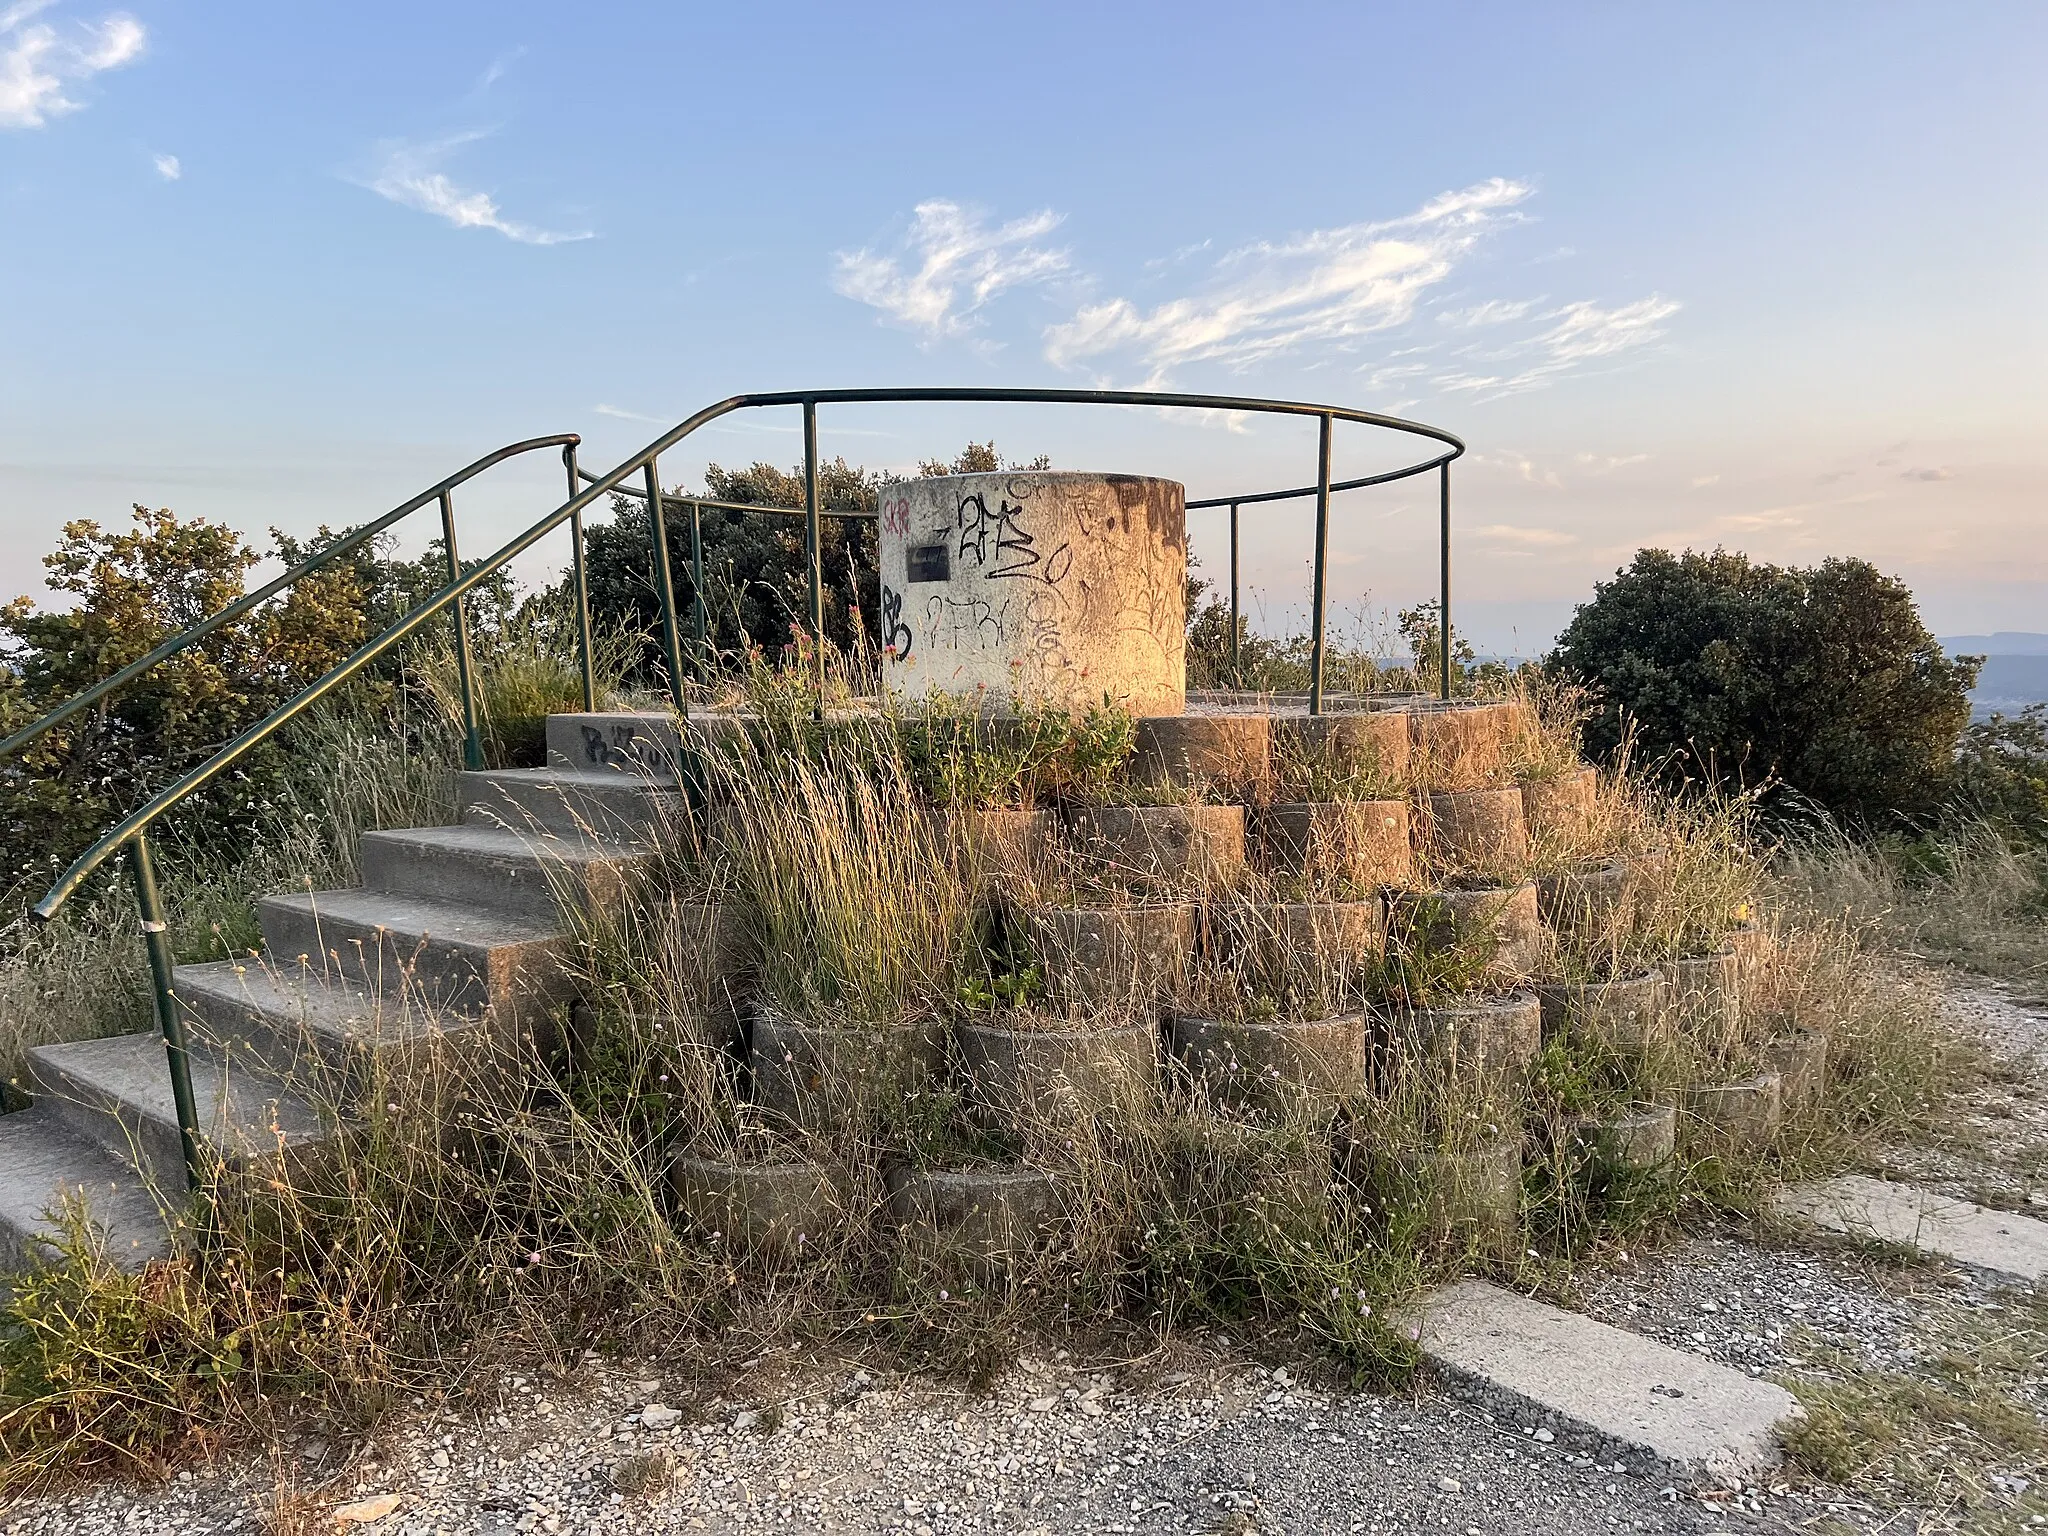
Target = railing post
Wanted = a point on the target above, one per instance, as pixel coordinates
(465, 663)
(1443, 611)
(1236, 665)
(156, 939)
(1320, 600)
(814, 544)
(582, 587)
(665, 586)
(700, 618)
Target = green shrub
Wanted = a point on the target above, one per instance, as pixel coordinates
(1739, 671)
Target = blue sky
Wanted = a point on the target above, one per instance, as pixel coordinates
(1762, 276)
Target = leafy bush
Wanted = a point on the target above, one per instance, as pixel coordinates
(1735, 670)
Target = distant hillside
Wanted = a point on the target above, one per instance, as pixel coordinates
(2007, 642)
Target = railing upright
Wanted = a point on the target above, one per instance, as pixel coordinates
(1322, 572)
(465, 662)
(1236, 625)
(814, 554)
(1443, 612)
(581, 585)
(665, 585)
(156, 938)
(700, 625)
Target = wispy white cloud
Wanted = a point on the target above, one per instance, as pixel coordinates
(949, 265)
(1327, 287)
(410, 175)
(1571, 337)
(167, 167)
(38, 63)
(1701, 482)
(623, 414)
(1491, 312)
(1607, 463)
(1938, 473)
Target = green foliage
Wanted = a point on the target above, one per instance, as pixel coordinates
(1737, 671)
(131, 592)
(2002, 773)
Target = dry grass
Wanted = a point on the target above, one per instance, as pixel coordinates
(499, 1195)
(1966, 898)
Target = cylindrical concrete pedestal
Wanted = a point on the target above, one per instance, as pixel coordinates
(783, 1211)
(980, 1221)
(1361, 843)
(1046, 587)
(1170, 849)
(1275, 1067)
(1629, 1014)
(1477, 830)
(819, 1077)
(1369, 748)
(1035, 1077)
(1105, 956)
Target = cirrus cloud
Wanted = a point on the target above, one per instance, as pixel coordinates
(949, 265)
(410, 175)
(38, 63)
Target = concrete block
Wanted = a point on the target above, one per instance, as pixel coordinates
(1049, 587)
(570, 803)
(1371, 746)
(1172, 849)
(1232, 753)
(44, 1165)
(532, 874)
(1478, 831)
(1360, 843)
(1610, 1390)
(1275, 1066)
(2003, 1245)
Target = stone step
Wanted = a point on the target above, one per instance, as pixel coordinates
(649, 742)
(567, 802)
(1610, 1389)
(2006, 1247)
(117, 1093)
(438, 955)
(44, 1165)
(303, 1028)
(531, 874)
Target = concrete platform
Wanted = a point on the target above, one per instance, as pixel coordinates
(1628, 1396)
(2010, 1248)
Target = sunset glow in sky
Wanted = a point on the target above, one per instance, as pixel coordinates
(1760, 276)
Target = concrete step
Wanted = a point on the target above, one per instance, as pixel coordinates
(44, 1164)
(117, 1093)
(531, 874)
(1615, 1392)
(438, 955)
(649, 742)
(300, 1027)
(2006, 1247)
(566, 802)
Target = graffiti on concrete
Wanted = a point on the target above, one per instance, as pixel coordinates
(897, 639)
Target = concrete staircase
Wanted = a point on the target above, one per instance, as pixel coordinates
(454, 929)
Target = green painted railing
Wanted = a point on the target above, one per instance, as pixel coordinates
(132, 833)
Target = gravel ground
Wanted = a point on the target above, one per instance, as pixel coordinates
(1054, 1448)
(1996, 1155)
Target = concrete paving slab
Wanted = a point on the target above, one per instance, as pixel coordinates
(1631, 1397)
(2009, 1247)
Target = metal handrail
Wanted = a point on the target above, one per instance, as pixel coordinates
(132, 832)
(348, 542)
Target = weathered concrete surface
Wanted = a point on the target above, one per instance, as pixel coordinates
(1999, 1243)
(1697, 1418)
(1053, 588)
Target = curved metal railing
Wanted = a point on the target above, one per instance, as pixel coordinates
(132, 832)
